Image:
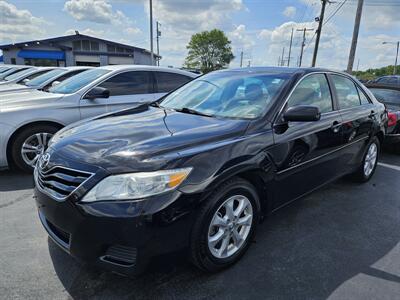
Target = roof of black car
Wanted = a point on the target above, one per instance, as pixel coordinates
(288, 70)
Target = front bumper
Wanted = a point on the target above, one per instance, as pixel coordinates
(118, 236)
(5, 132)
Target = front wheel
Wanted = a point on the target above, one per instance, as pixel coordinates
(225, 225)
(369, 162)
(30, 144)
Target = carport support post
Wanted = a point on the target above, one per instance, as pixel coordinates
(355, 36)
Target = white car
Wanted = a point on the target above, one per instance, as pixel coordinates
(44, 81)
(25, 75)
(12, 70)
(28, 119)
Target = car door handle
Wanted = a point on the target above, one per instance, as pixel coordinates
(336, 126)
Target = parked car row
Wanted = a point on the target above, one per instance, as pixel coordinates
(162, 160)
(32, 111)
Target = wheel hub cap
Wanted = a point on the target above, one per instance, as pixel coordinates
(230, 226)
(370, 159)
(34, 146)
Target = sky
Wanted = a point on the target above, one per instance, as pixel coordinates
(259, 28)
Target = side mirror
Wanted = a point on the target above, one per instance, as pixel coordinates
(302, 113)
(25, 81)
(55, 83)
(97, 92)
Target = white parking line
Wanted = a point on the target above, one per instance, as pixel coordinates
(397, 168)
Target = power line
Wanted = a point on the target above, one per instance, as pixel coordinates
(335, 12)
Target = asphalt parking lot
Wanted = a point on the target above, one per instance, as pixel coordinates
(340, 242)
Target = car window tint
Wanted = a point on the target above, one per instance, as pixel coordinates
(129, 83)
(364, 99)
(346, 92)
(37, 74)
(386, 95)
(312, 90)
(388, 80)
(167, 82)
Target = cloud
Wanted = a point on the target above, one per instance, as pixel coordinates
(290, 11)
(133, 31)
(96, 11)
(19, 24)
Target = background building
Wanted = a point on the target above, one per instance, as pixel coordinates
(74, 50)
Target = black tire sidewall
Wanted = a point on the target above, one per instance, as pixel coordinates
(21, 137)
(235, 187)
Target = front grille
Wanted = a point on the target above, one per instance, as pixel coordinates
(120, 255)
(59, 182)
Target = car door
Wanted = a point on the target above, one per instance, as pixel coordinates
(358, 114)
(126, 89)
(167, 82)
(306, 154)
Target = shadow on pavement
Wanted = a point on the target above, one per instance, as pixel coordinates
(304, 251)
(14, 181)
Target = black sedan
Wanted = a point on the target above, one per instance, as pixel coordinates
(390, 96)
(199, 169)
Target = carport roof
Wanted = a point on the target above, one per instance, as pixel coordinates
(73, 37)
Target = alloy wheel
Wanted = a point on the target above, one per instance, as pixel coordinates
(230, 226)
(34, 146)
(370, 159)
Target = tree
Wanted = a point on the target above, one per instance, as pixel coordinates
(373, 73)
(209, 51)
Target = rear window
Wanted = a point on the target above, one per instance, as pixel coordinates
(386, 95)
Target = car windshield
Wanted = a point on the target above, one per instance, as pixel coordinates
(227, 94)
(75, 83)
(3, 69)
(46, 76)
(18, 75)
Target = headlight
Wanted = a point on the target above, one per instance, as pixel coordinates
(136, 185)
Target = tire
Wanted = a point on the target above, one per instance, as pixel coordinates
(361, 175)
(239, 190)
(29, 135)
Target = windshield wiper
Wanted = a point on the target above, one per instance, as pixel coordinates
(192, 111)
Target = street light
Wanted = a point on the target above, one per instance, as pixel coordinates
(397, 54)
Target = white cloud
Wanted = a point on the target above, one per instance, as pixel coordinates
(19, 24)
(132, 31)
(96, 11)
(290, 11)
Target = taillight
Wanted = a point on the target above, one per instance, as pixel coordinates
(392, 119)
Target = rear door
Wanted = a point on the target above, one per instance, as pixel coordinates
(167, 82)
(127, 89)
(306, 153)
(358, 114)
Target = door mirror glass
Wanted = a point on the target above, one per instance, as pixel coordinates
(55, 83)
(302, 113)
(97, 92)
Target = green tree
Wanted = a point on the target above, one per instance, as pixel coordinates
(209, 51)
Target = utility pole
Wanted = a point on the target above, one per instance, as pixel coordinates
(355, 36)
(290, 48)
(241, 59)
(358, 64)
(397, 54)
(320, 23)
(283, 57)
(303, 43)
(279, 61)
(158, 42)
(151, 33)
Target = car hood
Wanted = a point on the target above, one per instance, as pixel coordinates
(12, 87)
(25, 99)
(141, 138)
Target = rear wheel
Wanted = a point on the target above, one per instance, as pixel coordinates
(225, 225)
(369, 162)
(29, 144)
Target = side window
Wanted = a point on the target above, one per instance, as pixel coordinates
(129, 83)
(363, 98)
(346, 92)
(167, 82)
(313, 90)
